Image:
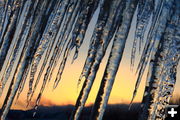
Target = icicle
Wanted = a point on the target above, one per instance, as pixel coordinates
(103, 15)
(114, 61)
(9, 31)
(145, 8)
(22, 63)
(156, 31)
(1, 15)
(69, 20)
(36, 28)
(30, 28)
(21, 37)
(64, 39)
(57, 50)
(162, 71)
(49, 5)
(37, 57)
(5, 18)
(62, 65)
(22, 83)
(26, 57)
(42, 20)
(46, 57)
(71, 16)
(48, 36)
(13, 86)
(112, 24)
(170, 70)
(167, 85)
(88, 8)
(7, 74)
(82, 23)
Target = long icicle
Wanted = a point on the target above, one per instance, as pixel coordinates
(112, 24)
(72, 12)
(49, 8)
(40, 50)
(87, 10)
(23, 81)
(21, 37)
(5, 18)
(168, 81)
(28, 29)
(154, 36)
(64, 39)
(162, 71)
(2, 10)
(40, 25)
(145, 9)
(49, 36)
(102, 19)
(113, 62)
(23, 63)
(9, 31)
(9, 69)
(82, 23)
(14, 86)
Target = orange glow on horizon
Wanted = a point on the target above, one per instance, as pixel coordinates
(67, 92)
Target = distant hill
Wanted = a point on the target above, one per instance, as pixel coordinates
(113, 112)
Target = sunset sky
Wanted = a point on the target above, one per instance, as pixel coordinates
(67, 91)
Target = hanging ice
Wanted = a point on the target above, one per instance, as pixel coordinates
(112, 23)
(25, 59)
(113, 61)
(145, 8)
(162, 71)
(9, 31)
(30, 29)
(158, 26)
(17, 48)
